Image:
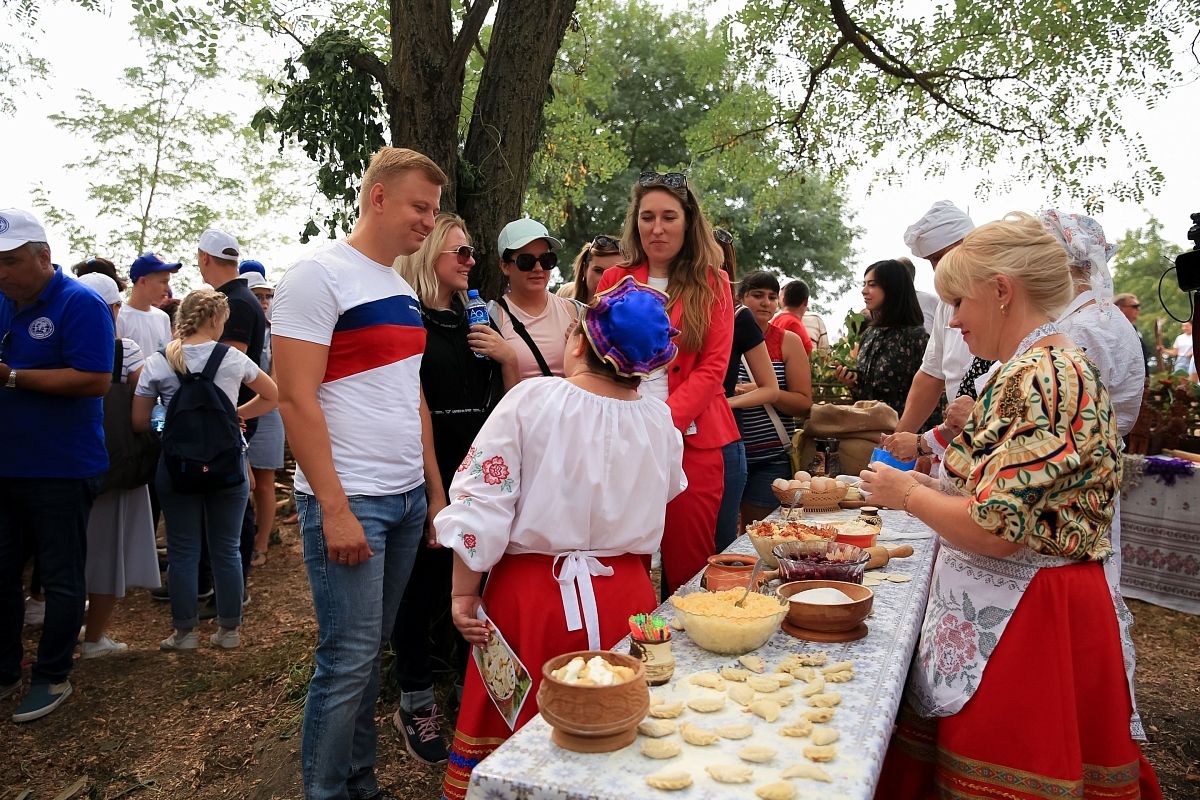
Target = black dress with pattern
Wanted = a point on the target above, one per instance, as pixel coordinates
(888, 358)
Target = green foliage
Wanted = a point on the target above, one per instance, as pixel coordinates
(161, 169)
(1143, 255)
(1038, 85)
(636, 88)
(335, 113)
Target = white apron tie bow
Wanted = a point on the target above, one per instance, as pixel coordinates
(577, 570)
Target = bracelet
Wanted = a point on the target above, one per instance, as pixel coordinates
(904, 502)
(937, 434)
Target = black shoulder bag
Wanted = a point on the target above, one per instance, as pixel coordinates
(519, 329)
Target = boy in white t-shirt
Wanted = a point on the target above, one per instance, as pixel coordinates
(347, 342)
(140, 318)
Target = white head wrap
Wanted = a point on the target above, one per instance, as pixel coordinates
(943, 225)
(1085, 243)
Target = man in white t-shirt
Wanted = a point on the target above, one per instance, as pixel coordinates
(141, 319)
(946, 355)
(1182, 350)
(347, 341)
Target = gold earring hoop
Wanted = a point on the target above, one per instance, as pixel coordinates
(1004, 309)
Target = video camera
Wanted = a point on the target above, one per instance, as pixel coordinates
(1187, 263)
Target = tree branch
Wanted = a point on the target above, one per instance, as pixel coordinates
(468, 35)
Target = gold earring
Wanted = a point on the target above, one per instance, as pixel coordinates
(1004, 309)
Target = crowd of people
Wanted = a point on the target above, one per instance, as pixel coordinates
(532, 466)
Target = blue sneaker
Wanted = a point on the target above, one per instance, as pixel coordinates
(41, 699)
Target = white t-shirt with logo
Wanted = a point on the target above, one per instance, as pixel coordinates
(150, 329)
(369, 318)
(159, 379)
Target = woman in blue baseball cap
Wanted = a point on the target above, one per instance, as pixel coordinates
(562, 498)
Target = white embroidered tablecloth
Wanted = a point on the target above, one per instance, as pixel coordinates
(530, 767)
(1160, 538)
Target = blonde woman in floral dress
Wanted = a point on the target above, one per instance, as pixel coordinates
(1019, 687)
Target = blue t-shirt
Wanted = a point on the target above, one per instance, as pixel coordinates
(46, 435)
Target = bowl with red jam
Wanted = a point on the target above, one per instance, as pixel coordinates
(821, 561)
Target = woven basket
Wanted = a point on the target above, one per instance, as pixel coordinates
(824, 501)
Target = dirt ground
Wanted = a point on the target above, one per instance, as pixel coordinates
(222, 724)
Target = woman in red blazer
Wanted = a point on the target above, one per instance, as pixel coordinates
(670, 246)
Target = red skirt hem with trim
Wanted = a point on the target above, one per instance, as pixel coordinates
(1050, 718)
(524, 601)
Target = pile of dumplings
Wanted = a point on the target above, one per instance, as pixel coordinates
(806, 680)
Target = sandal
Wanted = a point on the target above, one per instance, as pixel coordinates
(258, 558)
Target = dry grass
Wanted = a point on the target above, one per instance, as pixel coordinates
(222, 724)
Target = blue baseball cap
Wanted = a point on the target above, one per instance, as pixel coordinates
(250, 265)
(148, 263)
(627, 325)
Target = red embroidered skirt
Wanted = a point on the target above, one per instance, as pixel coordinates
(524, 601)
(1050, 718)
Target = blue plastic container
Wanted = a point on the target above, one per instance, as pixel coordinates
(883, 456)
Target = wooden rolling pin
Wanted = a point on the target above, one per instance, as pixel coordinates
(881, 555)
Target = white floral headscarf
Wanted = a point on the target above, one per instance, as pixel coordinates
(1086, 244)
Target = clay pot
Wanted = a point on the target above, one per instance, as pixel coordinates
(727, 571)
(594, 719)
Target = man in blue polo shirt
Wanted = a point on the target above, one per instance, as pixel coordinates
(56, 360)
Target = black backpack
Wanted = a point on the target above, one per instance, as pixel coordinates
(132, 457)
(202, 440)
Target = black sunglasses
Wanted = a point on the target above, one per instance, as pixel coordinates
(464, 252)
(723, 236)
(606, 243)
(526, 261)
(672, 180)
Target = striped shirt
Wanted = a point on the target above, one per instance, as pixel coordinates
(758, 431)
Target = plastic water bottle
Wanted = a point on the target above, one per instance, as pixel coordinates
(158, 418)
(477, 313)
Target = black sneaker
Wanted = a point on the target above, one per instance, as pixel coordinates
(422, 732)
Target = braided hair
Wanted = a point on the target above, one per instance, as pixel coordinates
(198, 309)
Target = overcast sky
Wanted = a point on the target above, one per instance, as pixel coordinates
(36, 151)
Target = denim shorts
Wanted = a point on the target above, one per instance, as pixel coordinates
(760, 475)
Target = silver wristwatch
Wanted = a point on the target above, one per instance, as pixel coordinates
(11, 383)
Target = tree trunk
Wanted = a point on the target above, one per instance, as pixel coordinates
(424, 99)
(506, 124)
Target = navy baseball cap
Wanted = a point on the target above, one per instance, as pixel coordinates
(250, 265)
(147, 263)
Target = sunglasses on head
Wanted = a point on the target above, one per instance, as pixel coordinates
(526, 261)
(464, 252)
(723, 236)
(672, 180)
(605, 243)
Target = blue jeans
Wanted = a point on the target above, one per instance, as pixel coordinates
(356, 609)
(734, 454)
(53, 512)
(216, 517)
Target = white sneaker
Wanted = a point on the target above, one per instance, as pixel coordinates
(226, 638)
(104, 647)
(35, 612)
(188, 641)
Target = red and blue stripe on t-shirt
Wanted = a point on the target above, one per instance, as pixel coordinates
(374, 335)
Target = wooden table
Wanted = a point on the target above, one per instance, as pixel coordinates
(530, 766)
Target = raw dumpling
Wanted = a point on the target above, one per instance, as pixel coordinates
(797, 730)
(729, 773)
(803, 673)
(823, 736)
(706, 705)
(813, 659)
(815, 752)
(660, 748)
(655, 728)
(734, 674)
(666, 710)
(896, 578)
(818, 715)
(753, 663)
(756, 753)
(785, 678)
(736, 730)
(790, 662)
(814, 686)
(840, 666)
(810, 771)
(763, 683)
(845, 676)
(709, 680)
(694, 734)
(741, 694)
(780, 790)
(783, 698)
(767, 709)
(656, 700)
(827, 700)
(671, 780)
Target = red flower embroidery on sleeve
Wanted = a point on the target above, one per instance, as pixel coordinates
(495, 471)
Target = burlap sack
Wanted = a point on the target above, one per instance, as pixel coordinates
(858, 429)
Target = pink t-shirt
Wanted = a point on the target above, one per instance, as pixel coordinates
(549, 331)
